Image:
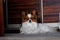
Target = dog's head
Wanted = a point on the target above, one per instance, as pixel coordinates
(30, 17)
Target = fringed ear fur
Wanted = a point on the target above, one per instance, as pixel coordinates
(34, 12)
(23, 13)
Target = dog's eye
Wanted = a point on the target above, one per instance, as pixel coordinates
(25, 18)
(35, 17)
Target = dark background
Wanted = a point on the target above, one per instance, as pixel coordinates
(15, 7)
(51, 11)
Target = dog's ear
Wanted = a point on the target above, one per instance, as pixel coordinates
(34, 12)
(23, 13)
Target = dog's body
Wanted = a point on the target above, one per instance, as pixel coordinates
(30, 25)
(29, 22)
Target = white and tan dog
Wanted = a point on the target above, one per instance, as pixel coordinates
(30, 25)
(29, 22)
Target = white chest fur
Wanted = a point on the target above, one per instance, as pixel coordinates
(29, 28)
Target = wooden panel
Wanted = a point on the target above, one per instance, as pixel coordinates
(1, 19)
(16, 6)
(14, 20)
(51, 11)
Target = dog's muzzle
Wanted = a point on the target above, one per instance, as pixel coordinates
(30, 21)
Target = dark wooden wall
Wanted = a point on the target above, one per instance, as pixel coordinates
(1, 18)
(51, 11)
(16, 6)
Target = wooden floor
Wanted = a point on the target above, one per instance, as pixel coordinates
(42, 36)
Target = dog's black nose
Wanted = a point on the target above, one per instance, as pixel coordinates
(29, 20)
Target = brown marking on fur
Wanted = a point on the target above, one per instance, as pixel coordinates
(33, 16)
(33, 12)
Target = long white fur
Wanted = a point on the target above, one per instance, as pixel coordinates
(29, 28)
(33, 27)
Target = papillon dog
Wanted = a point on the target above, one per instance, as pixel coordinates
(29, 22)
